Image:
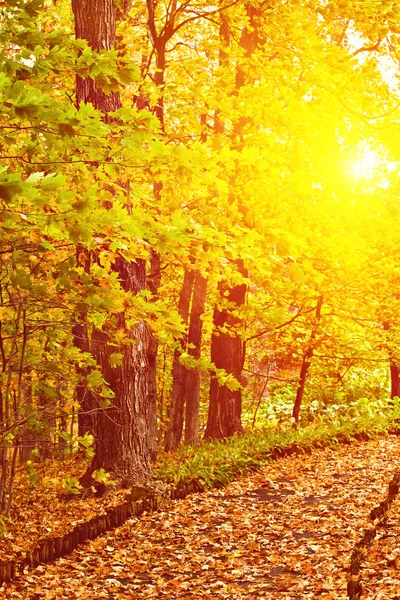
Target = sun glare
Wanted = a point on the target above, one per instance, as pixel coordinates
(372, 166)
(367, 165)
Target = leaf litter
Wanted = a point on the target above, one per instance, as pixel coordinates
(286, 532)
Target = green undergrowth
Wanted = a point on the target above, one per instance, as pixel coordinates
(215, 463)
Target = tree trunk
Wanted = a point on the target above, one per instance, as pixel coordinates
(192, 390)
(394, 381)
(228, 351)
(173, 434)
(122, 444)
(95, 22)
(186, 383)
(225, 409)
(306, 363)
(153, 283)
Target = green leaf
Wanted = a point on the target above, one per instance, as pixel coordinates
(35, 177)
(53, 182)
(116, 359)
(94, 378)
(44, 245)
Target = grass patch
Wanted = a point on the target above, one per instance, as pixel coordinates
(215, 463)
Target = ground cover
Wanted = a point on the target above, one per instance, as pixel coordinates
(285, 532)
(45, 507)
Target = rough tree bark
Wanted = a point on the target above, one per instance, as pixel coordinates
(122, 444)
(225, 408)
(95, 22)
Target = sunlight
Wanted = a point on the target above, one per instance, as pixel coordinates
(367, 165)
(373, 166)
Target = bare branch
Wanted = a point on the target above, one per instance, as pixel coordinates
(373, 48)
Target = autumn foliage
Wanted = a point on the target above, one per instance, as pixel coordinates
(198, 234)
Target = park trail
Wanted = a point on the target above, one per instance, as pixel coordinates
(286, 532)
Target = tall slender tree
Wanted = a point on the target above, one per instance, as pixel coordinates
(227, 347)
(306, 361)
(185, 396)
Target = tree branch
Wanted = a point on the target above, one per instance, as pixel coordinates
(265, 331)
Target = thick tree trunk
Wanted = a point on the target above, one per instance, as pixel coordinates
(122, 441)
(153, 284)
(122, 444)
(225, 409)
(193, 376)
(95, 22)
(174, 431)
(306, 363)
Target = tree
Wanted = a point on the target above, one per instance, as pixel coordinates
(174, 431)
(306, 361)
(122, 444)
(185, 395)
(227, 347)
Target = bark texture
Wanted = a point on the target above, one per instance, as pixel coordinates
(95, 22)
(123, 431)
(225, 409)
(123, 441)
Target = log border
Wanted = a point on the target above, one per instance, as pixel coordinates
(378, 516)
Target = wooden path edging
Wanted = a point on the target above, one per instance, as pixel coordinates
(50, 548)
(377, 516)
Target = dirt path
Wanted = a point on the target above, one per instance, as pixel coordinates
(284, 533)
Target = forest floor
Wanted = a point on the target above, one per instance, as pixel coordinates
(286, 532)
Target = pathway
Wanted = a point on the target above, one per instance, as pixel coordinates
(284, 533)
